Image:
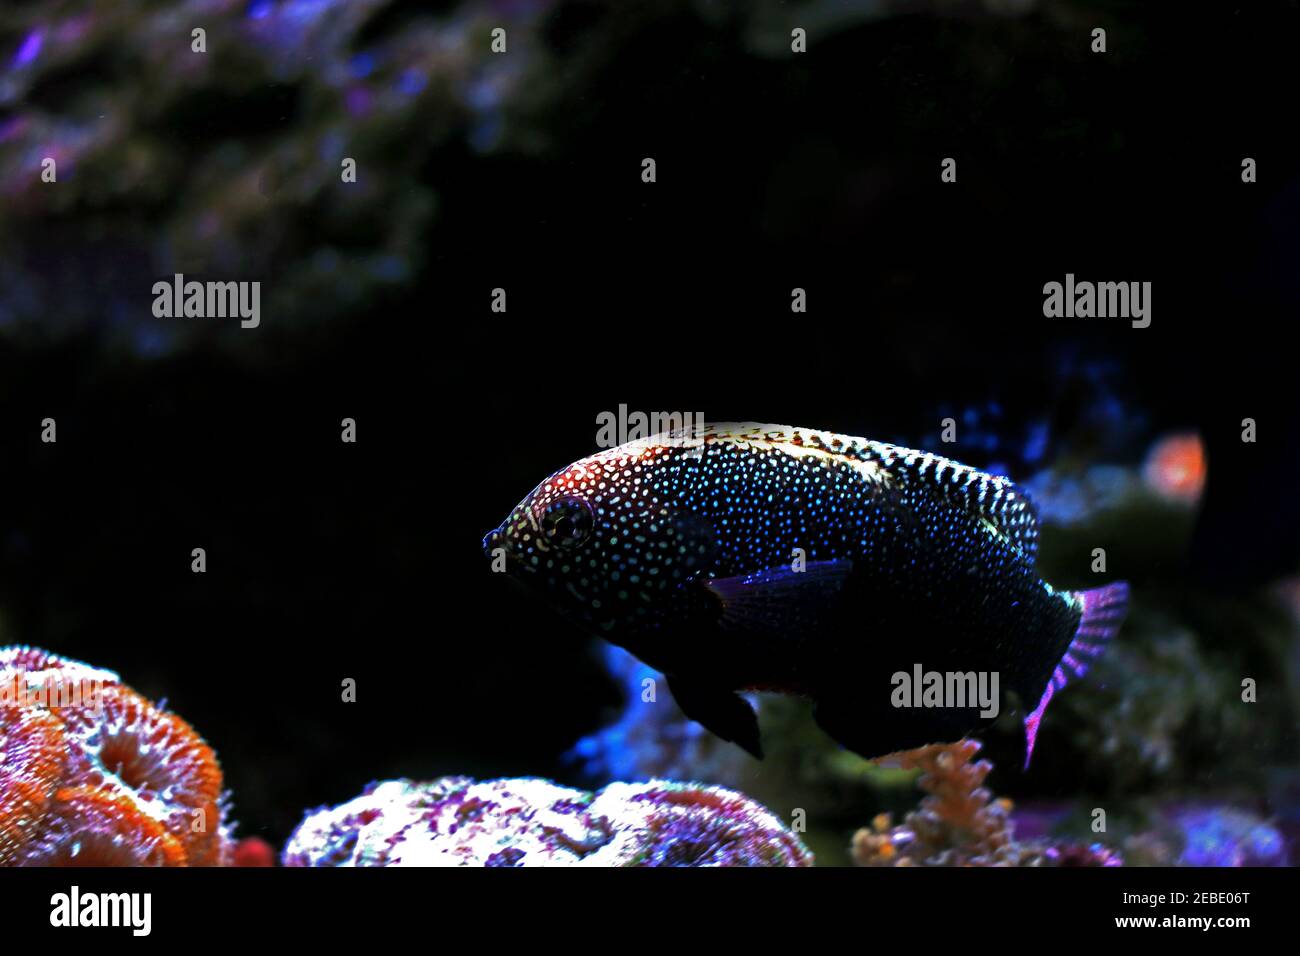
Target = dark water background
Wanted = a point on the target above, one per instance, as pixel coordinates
(328, 561)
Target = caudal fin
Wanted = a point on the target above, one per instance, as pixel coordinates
(1104, 609)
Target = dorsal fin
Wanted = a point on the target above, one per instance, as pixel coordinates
(997, 500)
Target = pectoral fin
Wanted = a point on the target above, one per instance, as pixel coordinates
(780, 599)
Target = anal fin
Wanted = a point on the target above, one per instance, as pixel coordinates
(875, 732)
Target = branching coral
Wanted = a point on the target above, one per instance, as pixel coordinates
(531, 822)
(93, 774)
(959, 822)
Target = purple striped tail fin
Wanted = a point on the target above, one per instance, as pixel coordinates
(1104, 609)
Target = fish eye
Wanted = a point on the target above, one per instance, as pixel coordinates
(567, 522)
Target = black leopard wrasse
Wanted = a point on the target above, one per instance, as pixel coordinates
(895, 587)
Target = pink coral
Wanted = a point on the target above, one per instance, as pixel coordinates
(531, 822)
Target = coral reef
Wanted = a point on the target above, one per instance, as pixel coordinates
(1207, 834)
(233, 162)
(93, 774)
(1172, 830)
(1160, 688)
(455, 821)
(959, 823)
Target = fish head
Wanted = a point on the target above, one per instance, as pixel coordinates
(597, 542)
(551, 522)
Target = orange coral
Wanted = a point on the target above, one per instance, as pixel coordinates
(94, 774)
(31, 742)
(959, 822)
(957, 796)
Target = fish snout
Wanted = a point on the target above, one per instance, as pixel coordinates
(492, 540)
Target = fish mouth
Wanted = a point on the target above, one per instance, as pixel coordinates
(492, 540)
(497, 541)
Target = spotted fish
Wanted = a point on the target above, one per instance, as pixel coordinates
(736, 557)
